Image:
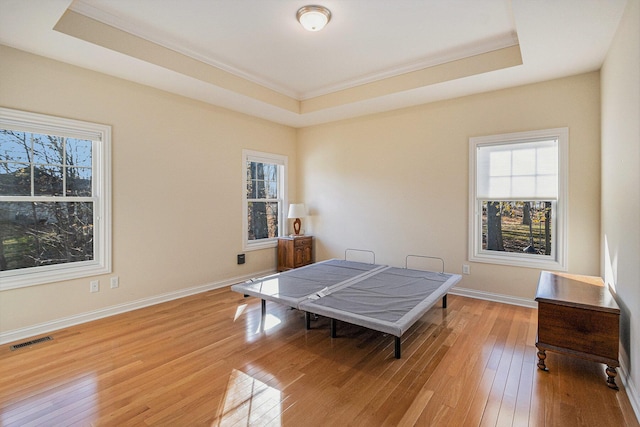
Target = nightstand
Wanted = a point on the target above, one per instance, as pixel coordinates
(294, 252)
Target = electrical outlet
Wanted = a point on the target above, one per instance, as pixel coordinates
(94, 286)
(465, 269)
(115, 282)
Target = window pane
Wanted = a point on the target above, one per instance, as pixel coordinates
(263, 220)
(78, 182)
(520, 227)
(262, 181)
(14, 146)
(524, 162)
(271, 188)
(78, 152)
(47, 180)
(270, 171)
(250, 186)
(15, 179)
(513, 170)
(47, 149)
(37, 234)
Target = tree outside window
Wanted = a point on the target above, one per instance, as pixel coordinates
(44, 232)
(519, 227)
(54, 199)
(264, 198)
(518, 199)
(263, 203)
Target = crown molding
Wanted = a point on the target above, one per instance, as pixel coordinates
(483, 46)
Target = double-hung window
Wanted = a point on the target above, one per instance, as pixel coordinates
(54, 199)
(518, 199)
(264, 198)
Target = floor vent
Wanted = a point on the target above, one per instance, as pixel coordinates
(28, 343)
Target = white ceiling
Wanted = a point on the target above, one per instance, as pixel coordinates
(254, 57)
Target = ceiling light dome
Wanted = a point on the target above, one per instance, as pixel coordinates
(313, 18)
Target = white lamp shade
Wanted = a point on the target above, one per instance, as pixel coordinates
(297, 210)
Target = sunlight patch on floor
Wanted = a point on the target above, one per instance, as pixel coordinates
(270, 321)
(239, 311)
(248, 401)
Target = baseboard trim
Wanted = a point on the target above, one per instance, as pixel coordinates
(488, 296)
(630, 388)
(65, 322)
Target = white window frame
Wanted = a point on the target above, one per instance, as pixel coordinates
(282, 161)
(101, 197)
(558, 259)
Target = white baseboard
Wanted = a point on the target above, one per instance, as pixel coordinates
(65, 322)
(629, 387)
(507, 299)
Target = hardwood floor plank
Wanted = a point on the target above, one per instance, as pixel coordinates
(208, 360)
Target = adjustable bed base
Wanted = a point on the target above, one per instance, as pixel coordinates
(379, 297)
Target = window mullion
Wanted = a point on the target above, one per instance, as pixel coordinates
(64, 167)
(31, 166)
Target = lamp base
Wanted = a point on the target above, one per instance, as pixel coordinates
(296, 226)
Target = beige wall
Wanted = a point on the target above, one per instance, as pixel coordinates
(621, 185)
(177, 185)
(397, 183)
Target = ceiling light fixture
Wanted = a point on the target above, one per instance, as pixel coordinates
(313, 18)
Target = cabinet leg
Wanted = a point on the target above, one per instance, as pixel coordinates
(611, 377)
(542, 354)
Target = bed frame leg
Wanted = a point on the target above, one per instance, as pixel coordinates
(332, 322)
(307, 319)
(264, 308)
(444, 301)
(398, 349)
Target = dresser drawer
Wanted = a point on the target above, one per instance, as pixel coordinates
(300, 242)
(294, 252)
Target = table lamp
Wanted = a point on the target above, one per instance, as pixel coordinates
(297, 211)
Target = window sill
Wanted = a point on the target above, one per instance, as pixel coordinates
(266, 244)
(517, 260)
(50, 274)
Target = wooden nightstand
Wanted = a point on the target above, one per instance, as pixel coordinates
(294, 252)
(578, 316)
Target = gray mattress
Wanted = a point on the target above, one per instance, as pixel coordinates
(378, 297)
(389, 301)
(294, 286)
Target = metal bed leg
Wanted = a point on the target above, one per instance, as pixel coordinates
(307, 319)
(333, 328)
(264, 308)
(444, 301)
(398, 347)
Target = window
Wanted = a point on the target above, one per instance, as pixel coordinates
(264, 198)
(518, 199)
(54, 199)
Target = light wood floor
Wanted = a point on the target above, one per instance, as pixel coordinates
(202, 360)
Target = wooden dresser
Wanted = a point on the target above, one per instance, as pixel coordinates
(578, 316)
(294, 252)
